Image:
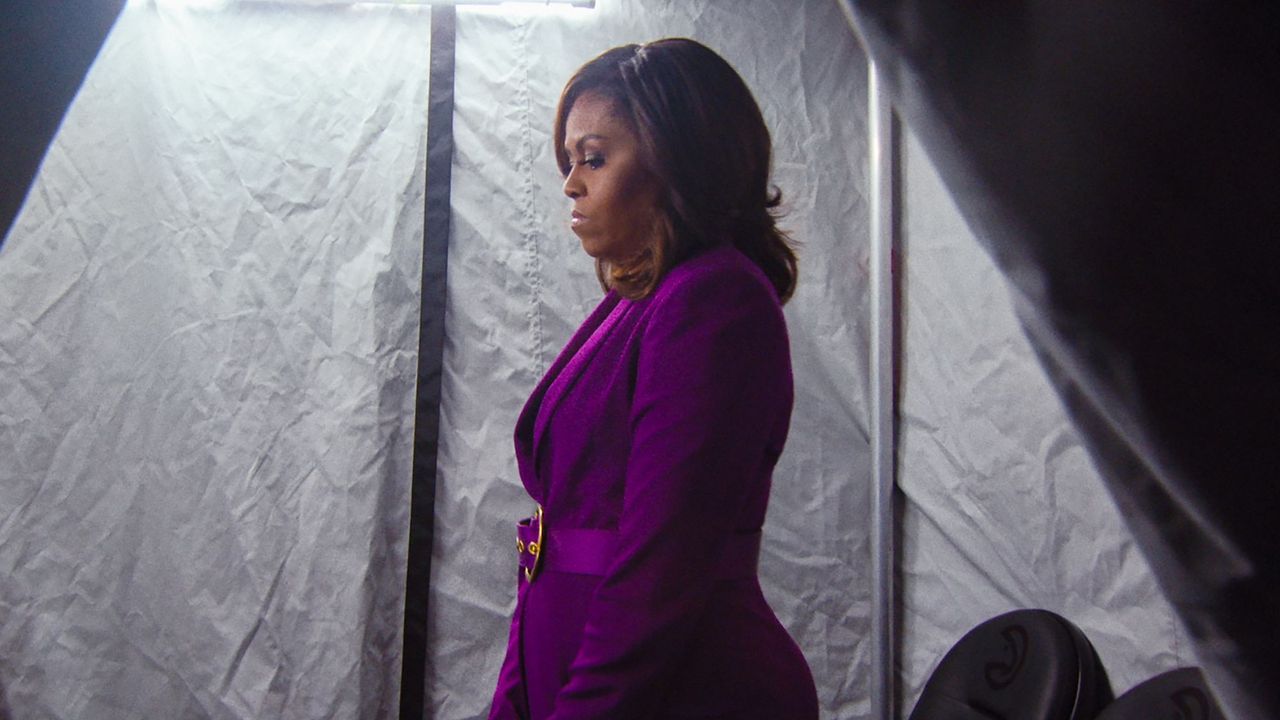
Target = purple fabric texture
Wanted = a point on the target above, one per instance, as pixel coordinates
(661, 420)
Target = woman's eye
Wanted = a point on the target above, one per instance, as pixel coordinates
(595, 162)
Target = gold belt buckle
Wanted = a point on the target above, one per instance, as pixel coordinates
(535, 548)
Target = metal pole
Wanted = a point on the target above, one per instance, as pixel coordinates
(883, 146)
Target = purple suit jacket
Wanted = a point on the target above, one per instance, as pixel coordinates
(661, 420)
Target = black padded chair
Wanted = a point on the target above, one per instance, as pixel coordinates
(1023, 665)
(1182, 694)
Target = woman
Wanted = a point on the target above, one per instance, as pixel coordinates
(650, 443)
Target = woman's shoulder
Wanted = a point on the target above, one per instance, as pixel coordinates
(721, 272)
(717, 302)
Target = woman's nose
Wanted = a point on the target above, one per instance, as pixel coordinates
(572, 184)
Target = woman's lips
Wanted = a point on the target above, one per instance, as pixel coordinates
(576, 219)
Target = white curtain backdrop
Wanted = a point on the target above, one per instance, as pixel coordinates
(1003, 508)
(519, 284)
(208, 339)
(208, 336)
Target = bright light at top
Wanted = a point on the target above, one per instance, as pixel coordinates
(519, 7)
(502, 4)
(189, 4)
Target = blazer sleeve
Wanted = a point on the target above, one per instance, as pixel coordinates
(712, 384)
(509, 697)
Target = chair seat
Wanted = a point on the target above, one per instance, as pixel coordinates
(1181, 693)
(1023, 665)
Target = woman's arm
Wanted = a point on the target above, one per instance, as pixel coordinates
(508, 697)
(713, 384)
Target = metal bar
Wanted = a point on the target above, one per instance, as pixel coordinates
(571, 3)
(546, 3)
(221, 4)
(883, 150)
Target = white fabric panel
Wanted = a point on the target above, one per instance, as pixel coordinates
(1003, 507)
(519, 284)
(208, 339)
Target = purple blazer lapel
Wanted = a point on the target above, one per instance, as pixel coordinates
(572, 370)
(558, 379)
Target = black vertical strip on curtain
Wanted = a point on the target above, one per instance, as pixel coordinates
(426, 434)
(46, 49)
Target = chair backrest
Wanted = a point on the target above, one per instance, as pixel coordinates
(1023, 665)
(1180, 694)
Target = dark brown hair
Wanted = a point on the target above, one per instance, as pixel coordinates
(702, 136)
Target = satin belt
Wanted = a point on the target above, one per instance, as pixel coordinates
(590, 552)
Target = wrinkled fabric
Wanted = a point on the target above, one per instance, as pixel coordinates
(208, 313)
(1002, 505)
(206, 364)
(1118, 163)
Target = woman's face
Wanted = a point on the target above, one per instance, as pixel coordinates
(614, 197)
